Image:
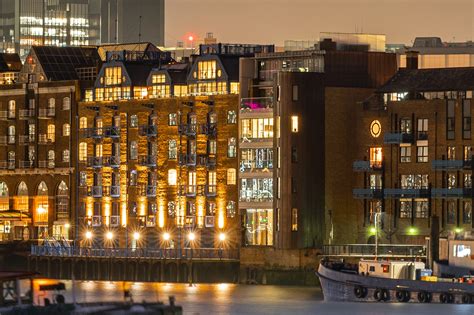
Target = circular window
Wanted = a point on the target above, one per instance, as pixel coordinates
(375, 128)
(219, 73)
(195, 74)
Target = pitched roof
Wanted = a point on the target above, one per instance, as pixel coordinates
(420, 80)
(231, 66)
(145, 46)
(60, 63)
(177, 71)
(10, 62)
(138, 72)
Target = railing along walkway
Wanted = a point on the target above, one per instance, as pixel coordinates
(368, 250)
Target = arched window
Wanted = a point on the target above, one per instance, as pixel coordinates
(133, 150)
(51, 103)
(83, 122)
(51, 133)
(171, 209)
(231, 176)
(21, 199)
(172, 149)
(82, 151)
(4, 200)
(11, 160)
(231, 117)
(230, 209)
(133, 178)
(134, 121)
(232, 147)
(51, 158)
(212, 118)
(62, 201)
(66, 130)
(41, 204)
(66, 156)
(11, 109)
(66, 103)
(11, 134)
(172, 177)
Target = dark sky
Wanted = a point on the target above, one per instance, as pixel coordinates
(273, 21)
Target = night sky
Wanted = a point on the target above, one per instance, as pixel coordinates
(273, 21)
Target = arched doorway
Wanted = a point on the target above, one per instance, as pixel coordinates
(61, 223)
(5, 223)
(41, 210)
(21, 203)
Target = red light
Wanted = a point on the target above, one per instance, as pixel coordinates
(190, 38)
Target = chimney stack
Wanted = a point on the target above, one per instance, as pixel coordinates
(412, 59)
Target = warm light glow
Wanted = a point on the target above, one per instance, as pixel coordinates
(136, 236)
(67, 225)
(412, 230)
(458, 230)
(191, 236)
(220, 220)
(294, 123)
(110, 235)
(161, 216)
(124, 214)
(190, 38)
(372, 229)
(166, 236)
(222, 237)
(88, 235)
(200, 213)
(41, 210)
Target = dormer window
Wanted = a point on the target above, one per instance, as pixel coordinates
(207, 69)
(113, 75)
(158, 78)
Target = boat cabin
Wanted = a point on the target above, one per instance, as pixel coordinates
(390, 269)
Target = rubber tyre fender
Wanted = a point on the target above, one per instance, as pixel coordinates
(466, 299)
(400, 295)
(385, 295)
(378, 295)
(449, 298)
(360, 292)
(407, 296)
(443, 298)
(424, 297)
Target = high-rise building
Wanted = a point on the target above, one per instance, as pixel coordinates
(25, 23)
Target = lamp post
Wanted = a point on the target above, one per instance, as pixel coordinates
(376, 214)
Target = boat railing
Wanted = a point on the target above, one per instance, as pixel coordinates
(368, 250)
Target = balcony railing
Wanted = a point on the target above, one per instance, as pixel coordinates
(367, 193)
(209, 129)
(3, 140)
(26, 113)
(3, 114)
(97, 191)
(188, 159)
(368, 250)
(148, 130)
(442, 165)
(255, 196)
(256, 104)
(44, 140)
(26, 139)
(147, 160)
(421, 135)
(397, 138)
(7, 165)
(112, 161)
(136, 253)
(26, 164)
(148, 190)
(206, 160)
(451, 192)
(111, 132)
(95, 161)
(366, 166)
(46, 164)
(98, 133)
(210, 190)
(115, 191)
(398, 193)
(187, 129)
(114, 220)
(46, 113)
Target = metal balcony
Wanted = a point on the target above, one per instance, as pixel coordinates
(112, 161)
(94, 133)
(96, 220)
(211, 190)
(443, 165)
(451, 192)
(3, 140)
(3, 115)
(26, 139)
(147, 160)
(95, 161)
(188, 159)
(397, 193)
(97, 191)
(209, 129)
(206, 160)
(150, 190)
(187, 129)
(397, 138)
(256, 103)
(26, 164)
(148, 130)
(111, 132)
(46, 164)
(46, 113)
(114, 191)
(367, 193)
(421, 135)
(366, 166)
(114, 220)
(44, 140)
(26, 113)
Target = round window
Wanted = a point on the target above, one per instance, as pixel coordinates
(375, 128)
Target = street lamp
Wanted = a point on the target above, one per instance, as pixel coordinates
(110, 235)
(136, 236)
(222, 237)
(191, 236)
(166, 236)
(88, 235)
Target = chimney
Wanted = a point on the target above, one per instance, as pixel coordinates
(412, 59)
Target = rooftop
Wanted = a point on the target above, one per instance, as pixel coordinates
(10, 62)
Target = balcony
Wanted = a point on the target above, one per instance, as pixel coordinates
(96, 221)
(444, 165)
(150, 221)
(112, 161)
(255, 196)
(26, 113)
(114, 191)
(187, 129)
(46, 113)
(7, 165)
(367, 193)
(114, 220)
(94, 133)
(187, 159)
(189, 190)
(26, 139)
(206, 160)
(95, 161)
(97, 191)
(148, 130)
(111, 132)
(397, 138)
(3, 140)
(210, 190)
(26, 164)
(367, 166)
(209, 130)
(421, 135)
(251, 104)
(46, 164)
(150, 191)
(451, 192)
(44, 140)
(147, 160)
(3, 115)
(397, 193)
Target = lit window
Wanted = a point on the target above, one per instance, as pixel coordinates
(207, 69)
(134, 121)
(66, 103)
(66, 130)
(211, 146)
(82, 151)
(83, 122)
(133, 150)
(158, 78)
(294, 219)
(83, 179)
(66, 156)
(231, 176)
(231, 117)
(133, 178)
(405, 154)
(462, 251)
(294, 123)
(180, 90)
(422, 154)
(172, 150)
(4, 200)
(234, 87)
(11, 108)
(51, 158)
(376, 157)
(113, 75)
(259, 227)
(51, 103)
(172, 177)
(232, 147)
(295, 93)
(173, 119)
(51, 133)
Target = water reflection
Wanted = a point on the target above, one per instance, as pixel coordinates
(228, 298)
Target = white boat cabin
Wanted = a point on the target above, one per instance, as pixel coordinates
(390, 269)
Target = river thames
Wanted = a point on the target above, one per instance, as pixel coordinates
(244, 299)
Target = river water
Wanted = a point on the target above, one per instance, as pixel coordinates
(245, 299)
